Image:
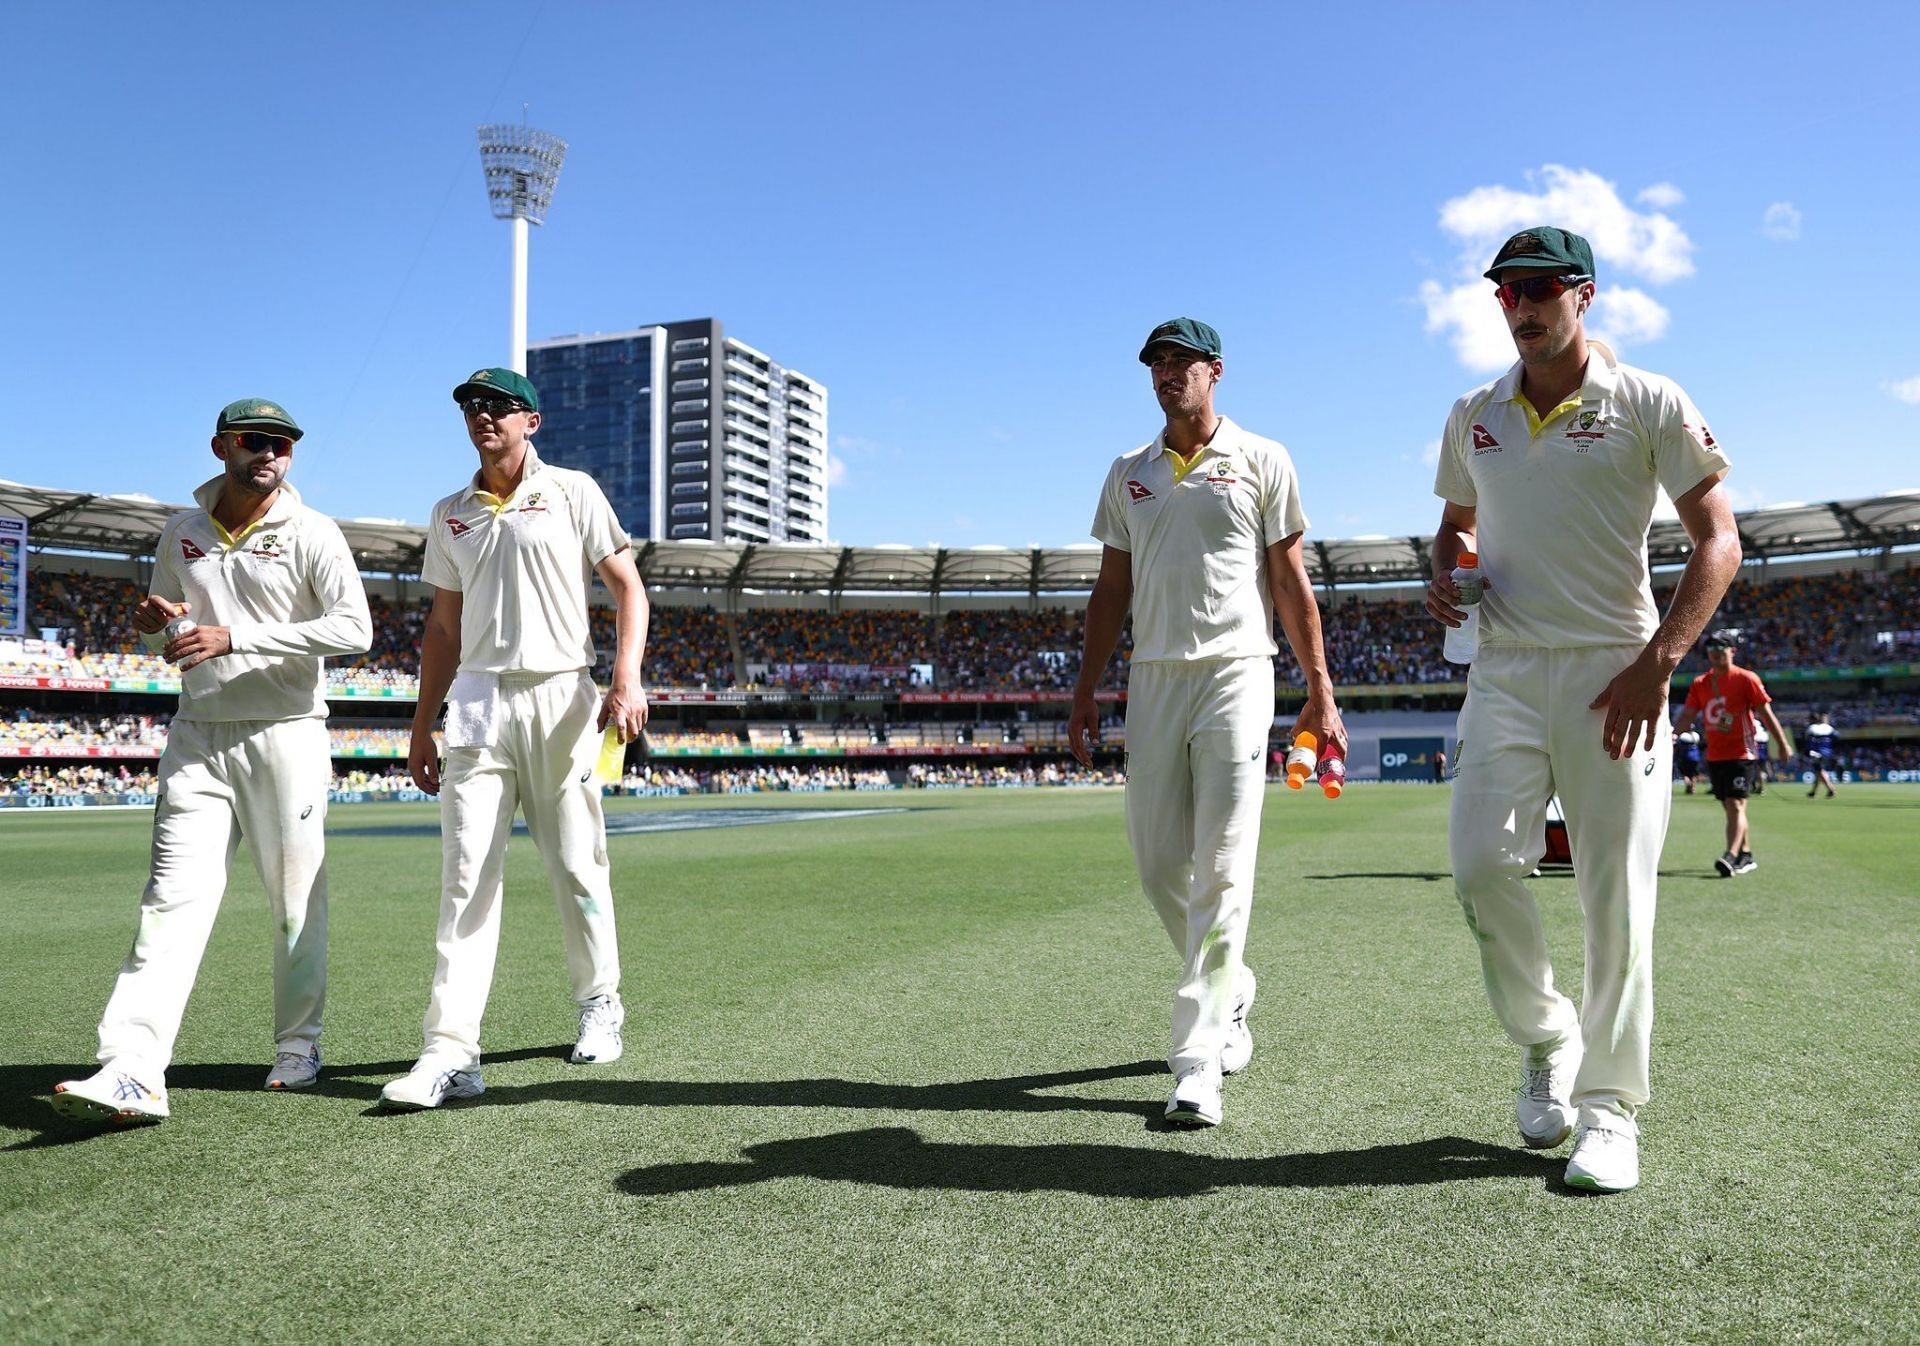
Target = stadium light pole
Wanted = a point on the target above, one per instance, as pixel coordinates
(522, 166)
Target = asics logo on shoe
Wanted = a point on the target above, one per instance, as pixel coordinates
(126, 1086)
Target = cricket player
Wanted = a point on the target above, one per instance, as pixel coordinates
(1201, 535)
(274, 590)
(1725, 699)
(509, 649)
(1550, 474)
(1822, 753)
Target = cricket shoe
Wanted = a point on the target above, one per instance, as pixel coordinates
(430, 1084)
(295, 1070)
(1725, 864)
(1195, 1100)
(1606, 1157)
(112, 1094)
(1543, 1109)
(1744, 863)
(601, 1019)
(1238, 1051)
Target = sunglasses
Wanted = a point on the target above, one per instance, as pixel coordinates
(261, 441)
(495, 407)
(1538, 289)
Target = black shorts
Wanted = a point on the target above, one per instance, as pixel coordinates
(1730, 779)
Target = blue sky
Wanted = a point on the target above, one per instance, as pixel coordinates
(962, 219)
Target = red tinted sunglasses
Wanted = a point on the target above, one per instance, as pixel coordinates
(1538, 289)
(260, 441)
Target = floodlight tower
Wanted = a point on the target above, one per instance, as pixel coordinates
(522, 166)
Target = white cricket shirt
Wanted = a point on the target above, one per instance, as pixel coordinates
(1198, 537)
(523, 566)
(288, 591)
(1564, 501)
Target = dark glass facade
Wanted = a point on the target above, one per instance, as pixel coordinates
(596, 406)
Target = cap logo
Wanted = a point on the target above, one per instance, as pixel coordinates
(1522, 243)
(266, 409)
(483, 376)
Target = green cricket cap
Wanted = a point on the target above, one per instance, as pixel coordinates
(256, 413)
(1544, 245)
(1188, 332)
(500, 383)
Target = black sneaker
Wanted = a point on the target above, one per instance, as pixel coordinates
(1725, 864)
(1744, 863)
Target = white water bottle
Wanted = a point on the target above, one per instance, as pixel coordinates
(1463, 641)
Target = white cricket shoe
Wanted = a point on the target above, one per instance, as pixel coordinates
(114, 1095)
(295, 1070)
(428, 1085)
(1605, 1159)
(1238, 1052)
(1543, 1109)
(1195, 1100)
(601, 1019)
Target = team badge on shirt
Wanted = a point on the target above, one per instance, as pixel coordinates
(532, 505)
(1582, 432)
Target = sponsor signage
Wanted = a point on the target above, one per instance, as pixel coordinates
(1409, 758)
(13, 575)
(57, 749)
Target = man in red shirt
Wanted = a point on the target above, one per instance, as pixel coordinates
(1725, 700)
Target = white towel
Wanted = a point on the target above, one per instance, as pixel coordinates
(473, 710)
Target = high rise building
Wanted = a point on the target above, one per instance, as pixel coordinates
(691, 433)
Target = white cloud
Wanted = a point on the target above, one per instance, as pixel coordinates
(1431, 454)
(836, 470)
(1781, 223)
(1646, 244)
(1907, 390)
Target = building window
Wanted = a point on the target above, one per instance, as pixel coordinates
(689, 385)
(689, 488)
(691, 446)
(690, 404)
(689, 530)
(689, 427)
(700, 468)
(684, 511)
(682, 366)
(685, 344)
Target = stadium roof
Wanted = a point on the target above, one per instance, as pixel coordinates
(129, 525)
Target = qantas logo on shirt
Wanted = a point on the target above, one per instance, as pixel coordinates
(457, 528)
(1483, 441)
(190, 550)
(1138, 492)
(1703, 435)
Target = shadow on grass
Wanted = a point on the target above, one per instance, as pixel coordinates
(1425, 875)
(898, 1157)
(26, 1089)
(1016, 1093)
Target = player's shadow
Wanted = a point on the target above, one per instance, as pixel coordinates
(25, 1089)
(1424, 875)
(898, 1157)
(1016, 1093)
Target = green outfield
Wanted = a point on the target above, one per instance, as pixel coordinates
(896, 1077)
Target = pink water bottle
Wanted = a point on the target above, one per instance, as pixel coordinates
(1333, 774)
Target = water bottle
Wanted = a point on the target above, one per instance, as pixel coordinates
(1333, 774)
(1300, 760)
(178, 627)
(1463, 641)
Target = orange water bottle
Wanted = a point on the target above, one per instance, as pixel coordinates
(1300, 760)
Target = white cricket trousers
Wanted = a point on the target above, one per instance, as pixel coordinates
(1526, 734)
(541, 760)
(220, 781)
(1196, 779)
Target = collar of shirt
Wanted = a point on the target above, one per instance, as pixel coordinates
(207, 496)
(1603, 376)
(530, 467)
(1226, 438)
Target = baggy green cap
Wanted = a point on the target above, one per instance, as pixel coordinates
(500, 383)
(1188, 332)
(1544, 245)
(256, 413)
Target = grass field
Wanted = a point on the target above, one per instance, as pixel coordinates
(897, 1077)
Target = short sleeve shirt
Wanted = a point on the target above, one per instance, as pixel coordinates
(1726, 702)
(1564, 502)
(523, 566)
(1198, 536)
